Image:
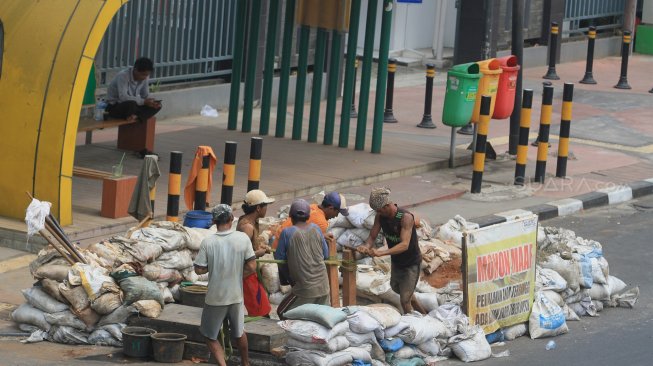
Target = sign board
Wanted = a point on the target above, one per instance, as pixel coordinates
(499, 273)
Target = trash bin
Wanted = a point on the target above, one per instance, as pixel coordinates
(505, 100)
(459, 99)
(487, 85)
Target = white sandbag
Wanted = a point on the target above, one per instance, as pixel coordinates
(430, 348)
(598, 276)
(349, 240)
(555, 297)
(362, 322)
(107, 303)
(575, 297)
(95, 280)
(27, 328)
(598, 305)
(76, 296)
(321, 314)
(338, 225)
(625, 299)
(599, 292)
(386, 315)
(428, 301)
(394, 330)
(425, 328)
(114, 329)
(168, 240)
(67, 335)
(570, 315)
(452, 230)
(616, 285)
(189, 275)
(407, 352)
(317, 358)
(334, 345)
(165, 292)
(148, 308)
(42, 301)
(372, 282)
(101, 337)
(139, 288)
(584, 264)
(142, 251)
(270, 277)
(276, 298)
(357, 339)
(546, 319)
(452, 317)
(548, 279)
(585, 307)
(51, 287)
(107, 251)
(471, 346)
(391, 298)
(566, 268)
(28, 314)
(36, 336)
(88, 316)
(65, 318)
(515, 331)
(119, 315)
(56, 272)
(311, 332)
(359, 213)
(175, 260)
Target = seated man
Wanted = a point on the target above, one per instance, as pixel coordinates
(128, 94)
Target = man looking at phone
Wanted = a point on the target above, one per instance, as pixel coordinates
(128, 95)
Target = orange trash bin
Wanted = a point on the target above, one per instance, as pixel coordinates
(487, 85)
(505, 100)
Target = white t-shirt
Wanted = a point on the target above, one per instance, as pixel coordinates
(225, 254)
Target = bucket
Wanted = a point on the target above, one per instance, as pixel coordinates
(136, 341)
(168, 347)
(193, 295)
(198, 218)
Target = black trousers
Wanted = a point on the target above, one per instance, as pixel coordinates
(123, 110)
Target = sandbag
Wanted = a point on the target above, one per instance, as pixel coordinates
(357, 339)
(415, 361)
(546, 319)
(168, 240)
(394, 330)
(566, 268)
(425, 328)
(65, 318)
(179, 259)
(514, 331)
(142, 251)
(626, 299)
(386, 315)
(336, 344)
(76, 296)
(349, 240)
(119, 315)
(55, 272)
(548, 279)
(554, 296)
(359, 214)
(311, 332)
(362, 322)
(429, 301)
(106, 251)
(407, 352)
(101, 337)
(372, 282)
(107, 303)
(165, 292)
(139, 288)
(430, 348)
(88, 316)
(42, 301)
(27, 328)
(95, 280)
(148, 308)
(270, 277)
(114, 329)
(276, 298)
(36, 336)
(471, 345)
(51, 287)
(28, 314)
(67, 335)
(321, 314)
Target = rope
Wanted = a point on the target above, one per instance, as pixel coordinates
(346, 265)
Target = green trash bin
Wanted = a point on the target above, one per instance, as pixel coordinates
(459, 99)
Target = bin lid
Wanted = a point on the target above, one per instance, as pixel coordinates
(490, 66)
(509, 63)
(466, 71)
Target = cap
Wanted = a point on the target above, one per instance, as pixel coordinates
(300, 209)
(257, 197)
(221, 212)
(338, 202)
(379, 197)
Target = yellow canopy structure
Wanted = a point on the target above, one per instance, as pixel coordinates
(49, 47)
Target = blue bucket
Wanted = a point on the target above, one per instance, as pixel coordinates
(198, 218)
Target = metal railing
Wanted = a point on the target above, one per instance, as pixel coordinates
(187, 39)
(603, 14)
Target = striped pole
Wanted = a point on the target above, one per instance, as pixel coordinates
(553, 50)
(229, 172)
(202, 185)
(255, 152)
(545, 126)
(589, 78)
(565, 127)
(427, 121)
(481, 142)
(524, 129)
(174, 186)
(625, 50)
(388, 115)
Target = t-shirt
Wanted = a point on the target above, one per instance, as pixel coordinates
(225, 254)
(305, 249)
(316, 217)
(123, 88)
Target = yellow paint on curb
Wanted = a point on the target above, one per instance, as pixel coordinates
(17, 262)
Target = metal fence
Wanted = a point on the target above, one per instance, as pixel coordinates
(187, 39)
(603, 14)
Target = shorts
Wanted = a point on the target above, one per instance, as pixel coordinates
(214, 316)
(403, 281)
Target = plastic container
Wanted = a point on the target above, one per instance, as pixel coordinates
(198, 218)
(100, 107)
(193, 295)
(136, 341)
(550, 345)
(505, 102)
(460, 96)
(487, 85)
(168, 347)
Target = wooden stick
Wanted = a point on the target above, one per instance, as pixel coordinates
(348, 279)
(47, 238)
(144, 223)
(332, 272)
(56, 239)
(63, 238)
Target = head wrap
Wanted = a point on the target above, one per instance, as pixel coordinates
(379, 197)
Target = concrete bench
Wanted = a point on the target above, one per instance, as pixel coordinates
(133, 136)
(116, 191)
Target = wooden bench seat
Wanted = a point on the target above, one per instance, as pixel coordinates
(116, 191)
(134, 136)
(90, 173)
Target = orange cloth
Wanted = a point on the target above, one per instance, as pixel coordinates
(189, 189)
(317, 217)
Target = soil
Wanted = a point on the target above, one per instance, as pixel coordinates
(448, 271)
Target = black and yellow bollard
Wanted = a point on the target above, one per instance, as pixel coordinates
(553, 50)
(625, 50)
(565, 128)
(202, 185)
(255, 152)
(174, 186)
(589, 77)
(427, 121)
(481, 143)
(545, 127)
(524, 129)
(388, 114)
(353, 113)
(228, 172)
(153, 198)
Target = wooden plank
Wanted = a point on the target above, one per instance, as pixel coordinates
(88, 124)
(90, 173)
(348, 278)
(332, 272)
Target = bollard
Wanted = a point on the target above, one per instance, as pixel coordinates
(565, 127)
(255, 152)
(589, 78)
(481, 142)
(524, 129)
(174, 186)
(388, 115)
(553, 50)
(625, 50)
(202, 185)
(352, 112)
(427, 121)
(545, 126)
(228, 172)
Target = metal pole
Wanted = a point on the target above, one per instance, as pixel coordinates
(284, 79)
(565, 127)
(553, 48)
(228, 172)
(452, 148)
(517, 50)
(366, 74)
(589, 78)
(255, 153)
(625, 50)
(545, 126)
(268, 73)
(250, 73)
(388, 115)
(300, 88)
(427, 120)
(382, 75)
(318, 72)
(174, 186)
(353, 112)
(524, 129)
(237, 65)
(349, 87)
(332, 87)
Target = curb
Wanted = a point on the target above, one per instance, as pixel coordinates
(569, 206)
